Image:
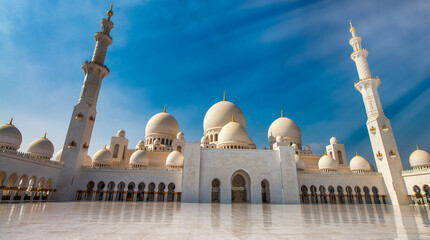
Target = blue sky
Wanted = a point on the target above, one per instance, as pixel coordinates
(268, 55)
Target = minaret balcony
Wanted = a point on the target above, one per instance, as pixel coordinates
(365, 79)
(379, 155)
(372, 130)
(385, 128)
(393, 154)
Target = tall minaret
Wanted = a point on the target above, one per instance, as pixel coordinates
(81, 125)
(381, 135)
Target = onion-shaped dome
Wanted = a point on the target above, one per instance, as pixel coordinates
(220, 114)
(286, 128)
(162, 123)
(204, 140)
(139, 159)
(10, 136)
(419, 158)
(359, 164)
(299, 162)
(307, 148)
(120, 133)
(175, 159)
(180, 135)
(103, 157)
(279, 139)
(327, 163)
(333, 140)
(57, 157)
(140, 144)
(41, 147)
(233, 133)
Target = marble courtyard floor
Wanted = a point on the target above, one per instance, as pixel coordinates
(153, 220)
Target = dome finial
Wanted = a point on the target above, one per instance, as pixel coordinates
(110, 12)
(417, 147)
(352, 29)
(282, 113)
(356, 153)
(44, 135)
(11, 120)
(165, 107)
(104, 147)
(224, 96)
(325, 153)
(176, 148)
(232, 118)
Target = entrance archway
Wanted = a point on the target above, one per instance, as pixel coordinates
(240, 187)
(265, 191)
(215, 191)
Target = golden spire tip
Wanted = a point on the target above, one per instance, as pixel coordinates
(352, 29)
(165, 107)
(356, 153)
(232, 118)
(105, 146)
(417, 147)
(11, 120)
(45, 135)
(224, 96)
(325, 153)
(110, 12)
(282, 113)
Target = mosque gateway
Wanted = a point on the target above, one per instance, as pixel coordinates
(224, 167)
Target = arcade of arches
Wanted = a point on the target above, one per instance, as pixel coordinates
(333, 195)
(16, 188)
(130, 192)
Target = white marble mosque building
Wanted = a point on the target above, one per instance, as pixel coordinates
(224, 167)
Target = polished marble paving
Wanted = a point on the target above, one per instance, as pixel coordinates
(152, 220)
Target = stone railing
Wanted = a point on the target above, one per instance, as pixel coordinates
(417, 170)
(365, 79)
(341, 173)
(28, 156)
(134, 168)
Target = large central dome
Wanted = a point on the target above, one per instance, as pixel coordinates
(220, 114)
(162, 123)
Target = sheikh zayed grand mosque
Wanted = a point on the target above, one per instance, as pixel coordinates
(224, 167)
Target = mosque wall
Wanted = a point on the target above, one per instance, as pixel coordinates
(255, 165)
(418, 178)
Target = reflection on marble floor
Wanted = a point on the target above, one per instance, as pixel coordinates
(158, 220)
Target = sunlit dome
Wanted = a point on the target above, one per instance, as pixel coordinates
(220, 114)
(175, 159)
(140, 144)
(103, 157)
(333, 140)
(359, 164)
(327, 163)
(286, 128)
(233, 133)
(204, 140)
(162, 123)
(10, 136)
(120, 133)
(180, 135)
(139, 159)
(419, 158)
(57, 157)
(41, 147)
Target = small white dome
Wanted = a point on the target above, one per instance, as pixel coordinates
(180, 135)
(419, 158)
(120, 133)
(294, 145)
(307, 148)
(162, 123)
(139, 158)
(41, 147)
(333, 140)
(327, 163)
(220, 114)
(286, 128)
(175, 159)
(10, 136)
(57, 157)
(140, 144)
(102, 157)
(359, 164)
(157, 142)
(299, 162)
(204, 140)
(279, 139)
(232, 133)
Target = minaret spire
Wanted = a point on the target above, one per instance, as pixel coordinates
(381, 135)
(84, 113)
